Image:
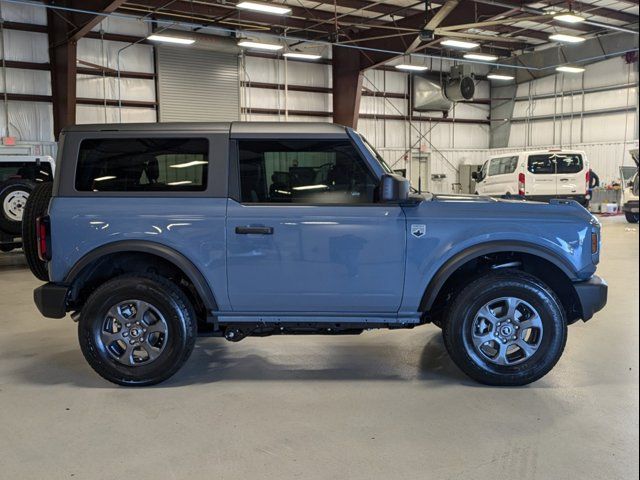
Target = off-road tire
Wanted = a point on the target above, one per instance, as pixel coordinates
(457, 328)
(36, 206)
(170, 301)
(9, 224)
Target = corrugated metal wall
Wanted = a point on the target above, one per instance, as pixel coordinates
(197, 85)
(578, 108)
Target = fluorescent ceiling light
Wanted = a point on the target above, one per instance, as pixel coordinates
(259, 46)
(459, 44)
(500, 76)
(189, 164)
(569, 69)
(303, 56)
(102, 179)
(561, 37)
(414, 68)
(309, 187)
(569, 18)
(168, 39)
(485, 57)
(180, 182)
(263, 7)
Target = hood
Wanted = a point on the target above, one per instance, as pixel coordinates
(479, 206)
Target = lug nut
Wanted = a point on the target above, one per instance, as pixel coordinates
(132, 342)
(125, 334)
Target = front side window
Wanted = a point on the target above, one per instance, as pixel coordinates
(494, 167)
(304, 171)
(549, 163)
(143, 165)
(34, 171)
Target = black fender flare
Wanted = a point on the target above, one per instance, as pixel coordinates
(176, 258)
(456, 261)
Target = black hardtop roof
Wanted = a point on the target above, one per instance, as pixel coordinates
(234, 128)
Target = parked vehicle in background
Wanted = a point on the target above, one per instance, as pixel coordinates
(536, 175)
(19, 175)
(630, 192)
(157, 232)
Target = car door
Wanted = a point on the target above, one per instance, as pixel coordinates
(570, 174)
(306, 234)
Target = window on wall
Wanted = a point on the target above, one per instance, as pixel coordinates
(143, 165)
(304, 171)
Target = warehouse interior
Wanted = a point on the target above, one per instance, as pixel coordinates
(547, 76)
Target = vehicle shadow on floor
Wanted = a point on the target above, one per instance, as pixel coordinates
(216, 360)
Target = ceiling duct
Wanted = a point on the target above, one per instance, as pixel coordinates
(437, 92)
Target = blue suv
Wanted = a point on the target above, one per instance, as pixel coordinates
(156, 233)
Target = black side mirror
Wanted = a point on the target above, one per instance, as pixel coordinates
(475, 175)
(394, 188)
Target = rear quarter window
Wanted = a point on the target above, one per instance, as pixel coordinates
(142, 165)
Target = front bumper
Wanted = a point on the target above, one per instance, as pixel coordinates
(51, 299)
(631, 206)
(592, 294)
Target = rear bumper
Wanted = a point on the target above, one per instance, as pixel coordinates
(51, 299)
(581, 199)
(631, 206)
(592, 294)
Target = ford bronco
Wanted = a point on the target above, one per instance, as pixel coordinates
(156, 233)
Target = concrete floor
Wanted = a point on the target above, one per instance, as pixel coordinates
(383, 405)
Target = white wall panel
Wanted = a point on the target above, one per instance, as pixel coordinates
(133, 58)
(34, 82)
(610, 127)
(28, 120)
(124, 26)
(97, 114)
(13, 12)
(91, 86)
(26, 46)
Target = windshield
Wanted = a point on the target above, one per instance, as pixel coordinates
(376, 155)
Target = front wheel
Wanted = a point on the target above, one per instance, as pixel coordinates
(505, 328)
(631, 217)
(137, 329)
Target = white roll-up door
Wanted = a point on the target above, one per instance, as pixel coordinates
(197, 85)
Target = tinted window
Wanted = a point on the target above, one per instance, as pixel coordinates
(304, 172)
(143, 164)
(26, 170)
(549, 163)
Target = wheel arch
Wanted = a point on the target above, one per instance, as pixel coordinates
(86, 266)
(551, 267)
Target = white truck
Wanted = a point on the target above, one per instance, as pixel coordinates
(19, 174)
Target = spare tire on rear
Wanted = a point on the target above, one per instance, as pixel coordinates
(13, 198)
(36, 207)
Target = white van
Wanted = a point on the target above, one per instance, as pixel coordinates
(536, 175)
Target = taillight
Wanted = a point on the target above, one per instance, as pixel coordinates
(42, 237)
(521, 184)
(594, 243)
(587, 180)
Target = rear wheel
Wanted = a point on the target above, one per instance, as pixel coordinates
(36, 207)
(13, 198)
(505, 328)
(137, 329)
(631, 217)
